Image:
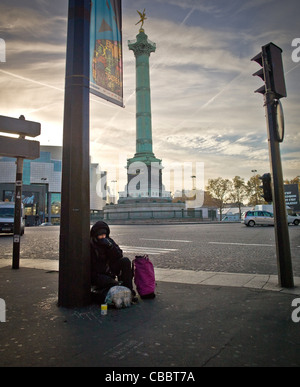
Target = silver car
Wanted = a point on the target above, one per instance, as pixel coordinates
(293, 217)
(252, 218)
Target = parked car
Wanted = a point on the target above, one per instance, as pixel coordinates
(252, 218)
(7, 218)
(294, 219)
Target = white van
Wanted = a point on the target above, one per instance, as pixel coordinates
(7, 218)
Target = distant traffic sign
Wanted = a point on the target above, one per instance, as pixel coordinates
(21, 127)
(18, 147)
(292, 195)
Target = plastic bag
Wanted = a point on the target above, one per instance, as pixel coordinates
(119, 296)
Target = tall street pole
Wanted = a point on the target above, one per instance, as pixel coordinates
(74, 254)
(18, 213)
(283, 250)
(18, 208)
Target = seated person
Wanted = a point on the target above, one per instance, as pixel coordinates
(107, 261)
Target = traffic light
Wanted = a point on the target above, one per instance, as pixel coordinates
(266, 180)
(270, 59)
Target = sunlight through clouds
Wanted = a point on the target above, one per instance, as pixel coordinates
(202, 90)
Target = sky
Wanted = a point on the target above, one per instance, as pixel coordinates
(204, 109)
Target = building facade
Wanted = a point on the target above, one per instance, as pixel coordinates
(41, 193)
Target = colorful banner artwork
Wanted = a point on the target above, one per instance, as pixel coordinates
(106, 72)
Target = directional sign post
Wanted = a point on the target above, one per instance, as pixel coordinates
(20, 149)
(20, 126)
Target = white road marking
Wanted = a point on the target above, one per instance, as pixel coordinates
(146, 250)
(165, 240)
(241, 244)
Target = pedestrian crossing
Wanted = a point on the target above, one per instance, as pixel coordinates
(141, 250)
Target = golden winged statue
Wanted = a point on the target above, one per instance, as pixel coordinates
(143, 18)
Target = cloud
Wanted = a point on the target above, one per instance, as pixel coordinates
(29, 22)
(199, 5)
(246, 6)
(203, 101)
(206, 82)
(221, 144)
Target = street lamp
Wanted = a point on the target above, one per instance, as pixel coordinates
(47, 185)
(114, 191)
(254, 171)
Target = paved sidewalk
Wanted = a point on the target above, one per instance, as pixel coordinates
(198, 319)
(254, 281)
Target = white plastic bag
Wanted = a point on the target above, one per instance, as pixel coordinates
(119, 296)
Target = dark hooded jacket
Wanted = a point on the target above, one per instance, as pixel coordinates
(104, 252)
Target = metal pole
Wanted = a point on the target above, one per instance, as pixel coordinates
(283, 250)
(49, 202)
(74, 259)
(17, 214)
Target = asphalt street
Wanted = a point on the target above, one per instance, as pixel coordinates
(231, 248)
(200, 318)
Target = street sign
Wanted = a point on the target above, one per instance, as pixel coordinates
(18, 147)
(292, 195)
(21, 127)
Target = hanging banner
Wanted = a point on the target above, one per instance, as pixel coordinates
(106, 72)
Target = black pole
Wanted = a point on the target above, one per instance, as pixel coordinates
(17, 214)
(74, 259)
(283, 250)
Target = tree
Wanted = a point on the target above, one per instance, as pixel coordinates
(219, 189)
(295, 180)
(239, 192)
(254, 191)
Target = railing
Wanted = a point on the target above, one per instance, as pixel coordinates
(148, 214)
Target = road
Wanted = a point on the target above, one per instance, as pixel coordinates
(210, 247)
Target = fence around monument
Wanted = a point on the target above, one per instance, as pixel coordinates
(160, 215)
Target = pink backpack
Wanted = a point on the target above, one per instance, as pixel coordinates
(144, 277)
